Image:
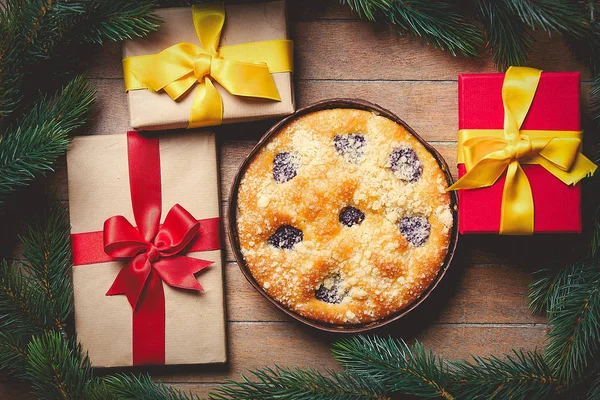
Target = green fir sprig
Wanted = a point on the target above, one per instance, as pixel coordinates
(405, 369)
(507, 36)
(302, 384)
(517, 376)
(31, 146)
(437, 22)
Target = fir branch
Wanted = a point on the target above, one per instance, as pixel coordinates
(57, 369)
(301, 384)
(23, 309)
(113, 20)
(586, 47)
(506, 34)
(401, 368)
(594, 390)
(551, 15)
(121, 387)
(13, 353)
(30, 148)
(368, 9)
(52, 27)
(45, 38)
(574, 316)
(437, 22)
(521, 376)
(47, 253)
(11, 76)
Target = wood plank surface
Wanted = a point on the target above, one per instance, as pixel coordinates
(479, 308)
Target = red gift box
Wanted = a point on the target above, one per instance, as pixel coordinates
(555, 107)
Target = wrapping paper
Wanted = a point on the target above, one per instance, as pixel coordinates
(555, 107)
(244, 23)
(98, 189)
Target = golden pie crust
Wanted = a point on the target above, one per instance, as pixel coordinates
(337, 273)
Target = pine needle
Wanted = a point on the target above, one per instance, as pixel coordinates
(520, 376)
(506, 34)
(574, 316)
(47, 253)
(438, 23)
(31, 147)
(125, 387)
(301, 384)
(551, 15)
(13, 353)
(57, 369)
(405, 369)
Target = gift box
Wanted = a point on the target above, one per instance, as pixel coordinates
(509, 125)
(211, 64)
(147, 274)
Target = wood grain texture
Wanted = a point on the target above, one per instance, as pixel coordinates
(480, 306)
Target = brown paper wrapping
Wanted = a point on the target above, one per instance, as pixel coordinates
(243, 23)
(98, 189)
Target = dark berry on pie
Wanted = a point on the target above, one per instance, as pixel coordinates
(329, 291)
(285, 165)
(406, 165)
(351, 216)
(286, 237)
(415, 229)
(350, 146)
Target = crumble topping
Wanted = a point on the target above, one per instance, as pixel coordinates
(343, 216)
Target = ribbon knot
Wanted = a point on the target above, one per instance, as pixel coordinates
(153, 253)
(520, 149)
(243, 69)
(490, 154)
(152, 249)
(202, 64)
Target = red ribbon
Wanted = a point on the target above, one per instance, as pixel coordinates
(154, 252)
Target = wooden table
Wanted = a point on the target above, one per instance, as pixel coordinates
(480, 307)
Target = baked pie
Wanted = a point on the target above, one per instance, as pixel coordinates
(343, 216)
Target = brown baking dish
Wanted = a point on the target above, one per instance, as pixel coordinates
(233, 236)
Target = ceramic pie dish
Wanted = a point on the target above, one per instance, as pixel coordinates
(340, 216)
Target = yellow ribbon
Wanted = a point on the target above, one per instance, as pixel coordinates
(243, 69)
(489, 153)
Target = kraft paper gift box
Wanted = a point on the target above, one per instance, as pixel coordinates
(555, 107)
(109, 175)
(244, 23)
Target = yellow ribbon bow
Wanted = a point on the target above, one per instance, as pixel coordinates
(489, 153)
(243, 69)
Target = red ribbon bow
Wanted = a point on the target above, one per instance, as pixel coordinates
(154, 250)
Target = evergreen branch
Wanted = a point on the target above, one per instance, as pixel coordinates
(11, 76)
(506, 34)
(574, 317)
(401, 368)
(31, 148)
(57, 369)
(436, 22)
(53, 27)
(551, 15)
(541, 289)
(594, 390)
(299, 384)
(13, 353)
(121, 386)
(368, 9)
(113, 20)
(23, 310)
(521, 376)
(47, 251)
(586, 47)
(45, 38)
